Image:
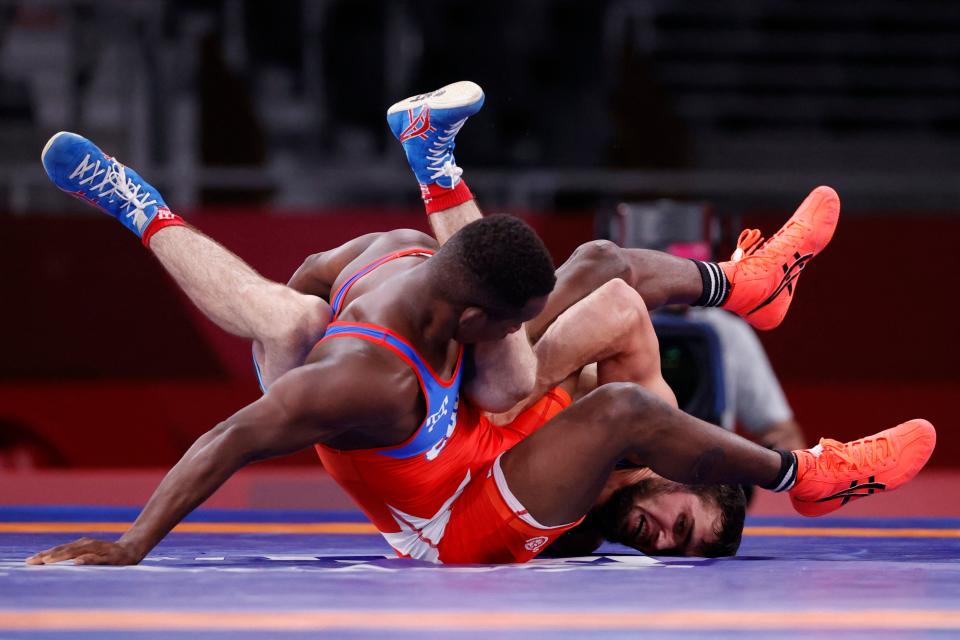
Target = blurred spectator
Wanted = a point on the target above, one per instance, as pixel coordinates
(754, 399)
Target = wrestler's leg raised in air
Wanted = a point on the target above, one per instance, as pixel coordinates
(558, 471)
(502, 372)
(283, 323)
(758, 283)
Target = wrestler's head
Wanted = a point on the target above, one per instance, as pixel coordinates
(496, 274)
(661, 517)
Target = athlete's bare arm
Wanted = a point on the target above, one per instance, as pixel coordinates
(611, 327)
(316, 403)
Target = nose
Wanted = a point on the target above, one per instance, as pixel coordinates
(664, 540)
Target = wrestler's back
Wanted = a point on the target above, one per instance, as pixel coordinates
(386, 243)
(363, 303)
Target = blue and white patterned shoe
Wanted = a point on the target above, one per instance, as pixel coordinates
(427, 124)
(80, 168)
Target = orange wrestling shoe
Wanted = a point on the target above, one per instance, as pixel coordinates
(833, 473)
(763, 277)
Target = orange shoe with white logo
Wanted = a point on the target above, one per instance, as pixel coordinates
(833, 473)
(763, 275)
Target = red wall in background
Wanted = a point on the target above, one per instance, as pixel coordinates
(107, 361)
(873, 337)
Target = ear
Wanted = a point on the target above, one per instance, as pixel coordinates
(472, 319)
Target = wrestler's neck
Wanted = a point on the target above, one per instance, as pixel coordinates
(413, 307)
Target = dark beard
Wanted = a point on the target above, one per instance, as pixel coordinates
(611, 517)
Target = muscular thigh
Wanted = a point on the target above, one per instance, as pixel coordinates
(559, 470)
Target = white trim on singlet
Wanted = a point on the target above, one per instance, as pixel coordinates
(512, 501)
(419, 538)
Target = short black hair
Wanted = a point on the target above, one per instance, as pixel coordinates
(497, 262)
(729, 528)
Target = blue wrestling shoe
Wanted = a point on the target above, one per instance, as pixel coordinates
(427, 124)
(80, 168)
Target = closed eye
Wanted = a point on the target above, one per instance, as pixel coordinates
(679, 525)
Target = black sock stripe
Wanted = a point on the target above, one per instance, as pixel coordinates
(701, 269)
(726, 286)
(787, 475)
(721, 285)
(713, 285)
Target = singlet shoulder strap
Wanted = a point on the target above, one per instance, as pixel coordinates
(441, 395)
(336, 301)
(387, 338)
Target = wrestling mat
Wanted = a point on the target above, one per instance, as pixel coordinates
(296, 574)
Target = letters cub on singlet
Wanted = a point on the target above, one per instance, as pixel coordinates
(436, 418)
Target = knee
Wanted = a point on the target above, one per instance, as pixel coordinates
(601, 256)
(623, 303)
(632, 318)
(623, 402)
(301, 321)
(626, 404)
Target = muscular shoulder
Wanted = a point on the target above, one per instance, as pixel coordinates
(408, 239)
(366, 370)
(319, 272)
(389, 242)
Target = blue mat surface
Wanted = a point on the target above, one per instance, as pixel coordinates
(834, 577)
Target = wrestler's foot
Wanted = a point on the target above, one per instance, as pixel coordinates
(833, 473)
(427, 124)
(80, 168)
(764, 276)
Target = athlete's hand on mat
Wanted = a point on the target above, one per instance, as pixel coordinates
(87, 551)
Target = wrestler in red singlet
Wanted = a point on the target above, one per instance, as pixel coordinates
(440, 494)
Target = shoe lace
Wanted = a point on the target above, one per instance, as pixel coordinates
(440, 154)
(93, 169)
(754, 253)
(859, 455)
(115, 184)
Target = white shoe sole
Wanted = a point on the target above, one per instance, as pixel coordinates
(458, 94)
(46, 147)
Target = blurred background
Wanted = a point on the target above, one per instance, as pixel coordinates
(263, 124)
